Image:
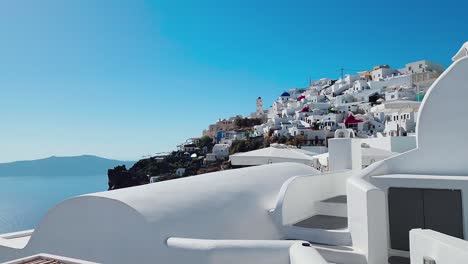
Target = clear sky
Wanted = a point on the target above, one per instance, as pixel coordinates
(122, 79)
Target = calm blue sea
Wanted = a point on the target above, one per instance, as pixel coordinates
(25, 200)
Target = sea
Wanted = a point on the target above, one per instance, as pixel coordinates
(25, 200)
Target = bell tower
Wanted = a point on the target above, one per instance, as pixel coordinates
(259, 107)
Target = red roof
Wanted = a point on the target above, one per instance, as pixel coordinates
(300, 97)
(351, 120)
(305, 109)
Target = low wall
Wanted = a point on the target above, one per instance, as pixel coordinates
(442, 248)
(394, 144)
(297, 197)
(367, 220)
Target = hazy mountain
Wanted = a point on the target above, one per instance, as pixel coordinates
(61, 166)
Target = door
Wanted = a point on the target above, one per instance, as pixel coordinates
(409, 208)
(406, 212)
(443, 212)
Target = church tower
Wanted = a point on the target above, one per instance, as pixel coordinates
(260, 107)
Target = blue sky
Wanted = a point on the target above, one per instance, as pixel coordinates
(122, 79)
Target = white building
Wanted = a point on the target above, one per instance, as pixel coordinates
(221, 150)
(424, 66)
(394, 81)
(311, 136)
(400, 94)
(359, 85)
(276, 153)
(381, 72)
(210, 157)
(400, 116)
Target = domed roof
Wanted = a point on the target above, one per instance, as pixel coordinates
(285, 94)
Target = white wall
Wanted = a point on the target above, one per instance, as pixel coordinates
(105, 227)
(315, 149)
(298, 196)
(400, 80)
(367, 219)
(344, 154)
(393, 144)
(439, 247)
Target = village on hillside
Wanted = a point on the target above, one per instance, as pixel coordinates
(379, 106)
(382, 102)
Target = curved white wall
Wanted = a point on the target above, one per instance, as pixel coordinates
(299, 195)
(134, 223)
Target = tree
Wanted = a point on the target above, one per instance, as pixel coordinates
(283, 140)
(270, 132)
(247, 122)
(299, 140)
(205, 140)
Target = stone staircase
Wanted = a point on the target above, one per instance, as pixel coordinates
(328, 232)
(329, 226)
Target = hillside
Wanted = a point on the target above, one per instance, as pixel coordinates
(61, 166)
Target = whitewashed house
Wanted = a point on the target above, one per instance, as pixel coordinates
(363, 125)
(221, 150)
(401, 123)
(381, 72)
(339, 87)
(401, 94)
(359, 85)
(400, 116)
(424, 66)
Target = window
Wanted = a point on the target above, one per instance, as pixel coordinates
(409, 68)
(420, 66)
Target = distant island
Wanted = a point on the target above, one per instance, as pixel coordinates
(84, 165)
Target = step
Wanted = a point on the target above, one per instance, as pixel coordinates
(398, 260)
(324, 222)
(321, 229)
(342, 199)
(340, 254)
(334, 206)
